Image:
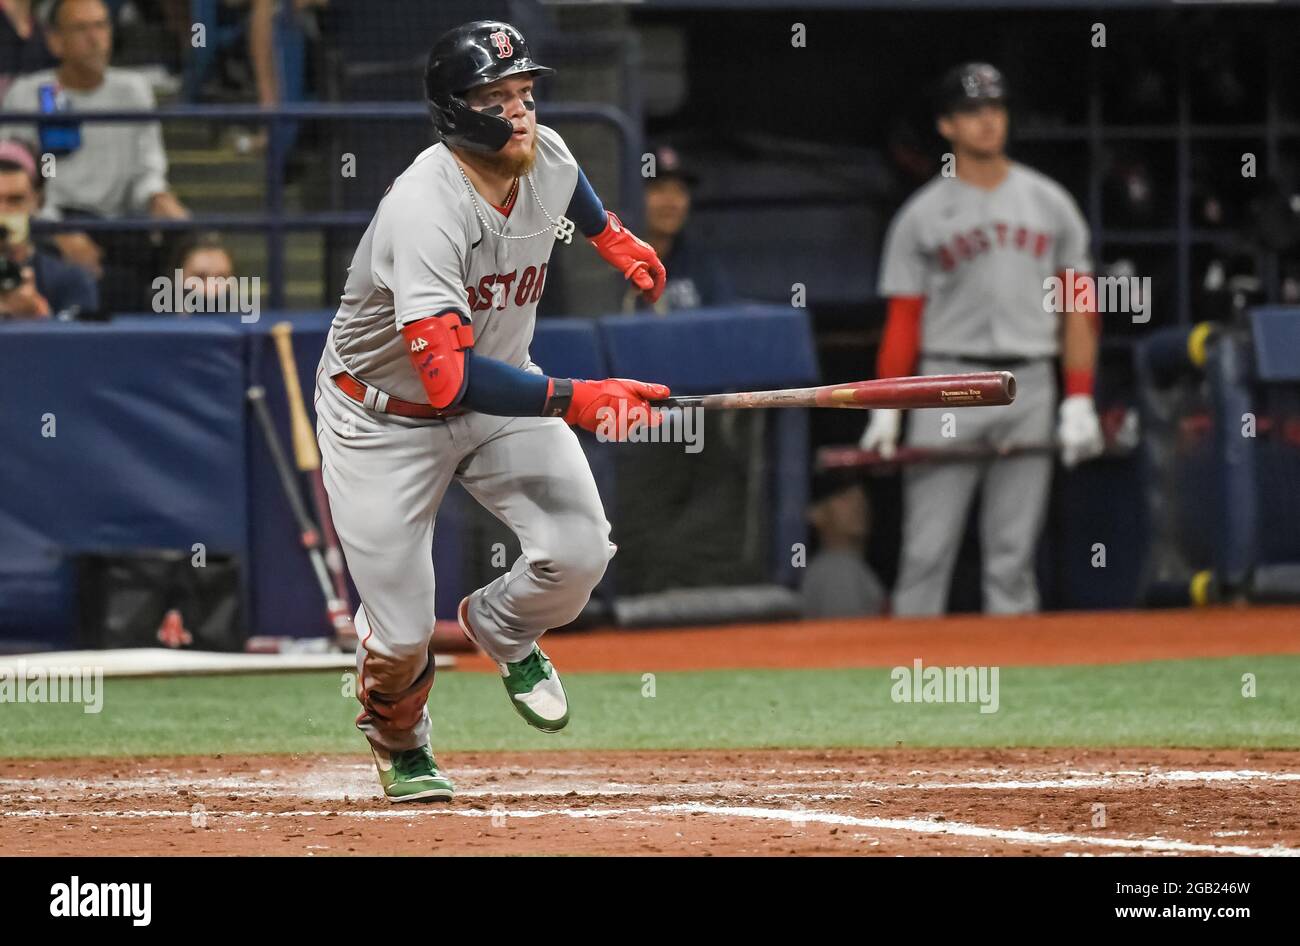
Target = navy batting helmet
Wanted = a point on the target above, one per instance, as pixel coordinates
(463, 58)
(969, 86)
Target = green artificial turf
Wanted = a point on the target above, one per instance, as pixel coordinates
(1194, 703)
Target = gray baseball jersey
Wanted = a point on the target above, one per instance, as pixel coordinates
(980, 257)
(426, 252)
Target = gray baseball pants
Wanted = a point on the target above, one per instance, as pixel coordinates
(386, 477)
(1013, 504)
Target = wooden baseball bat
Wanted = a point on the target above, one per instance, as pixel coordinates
(307, 456)
(340, 617)
(977, 389)
(855, 458)
(305, 451)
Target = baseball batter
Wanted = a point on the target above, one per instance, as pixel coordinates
(964, 266)
(426, 378)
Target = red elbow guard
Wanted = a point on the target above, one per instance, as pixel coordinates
(437, 347)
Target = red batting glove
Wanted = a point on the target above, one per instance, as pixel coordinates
(612, 407)
(633, 257)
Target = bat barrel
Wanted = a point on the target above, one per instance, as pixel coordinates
(981, 388)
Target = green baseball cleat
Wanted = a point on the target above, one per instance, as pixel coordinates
(534, 686)
(411, 775)
(536, 691)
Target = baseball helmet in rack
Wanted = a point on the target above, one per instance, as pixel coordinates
(464, 58)
(969, 86)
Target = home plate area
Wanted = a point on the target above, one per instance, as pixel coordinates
(1030, 802)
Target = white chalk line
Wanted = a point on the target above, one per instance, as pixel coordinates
(364, 788)
(1104, 781)
(399, 812)
(358, 785)
(795, 818)
(979, 831)
(357, 780)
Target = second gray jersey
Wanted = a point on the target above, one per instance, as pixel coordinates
(980, 258)
(427, 252)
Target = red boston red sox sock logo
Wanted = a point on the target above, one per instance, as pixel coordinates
(501, 40)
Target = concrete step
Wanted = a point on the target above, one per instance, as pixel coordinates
(304, 261)
(212, 174)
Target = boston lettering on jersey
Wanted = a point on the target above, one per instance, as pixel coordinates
(971, 243)
(496, 289)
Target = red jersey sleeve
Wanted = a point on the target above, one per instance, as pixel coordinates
(1078, 380)
(900, 344)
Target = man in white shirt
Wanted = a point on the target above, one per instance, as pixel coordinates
(109, 169)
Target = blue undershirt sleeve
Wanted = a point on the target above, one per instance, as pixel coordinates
(494, 387)
(585, 209)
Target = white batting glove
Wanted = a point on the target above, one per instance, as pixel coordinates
(881, 434)
(1078, 430)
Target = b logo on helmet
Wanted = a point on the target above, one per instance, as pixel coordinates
(501, 40)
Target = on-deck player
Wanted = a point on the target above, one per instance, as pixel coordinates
(964, 267)
(426, 377)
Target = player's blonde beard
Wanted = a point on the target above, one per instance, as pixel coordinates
(503, 165)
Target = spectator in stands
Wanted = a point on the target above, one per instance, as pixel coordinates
(22, 42)
(34, 284)
(207, 260)
(695, 278)
(102, 170)
(260, 31)
(277, 34)
(258, 49)
(837, 582)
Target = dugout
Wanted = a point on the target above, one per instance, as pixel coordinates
(1220, 406)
